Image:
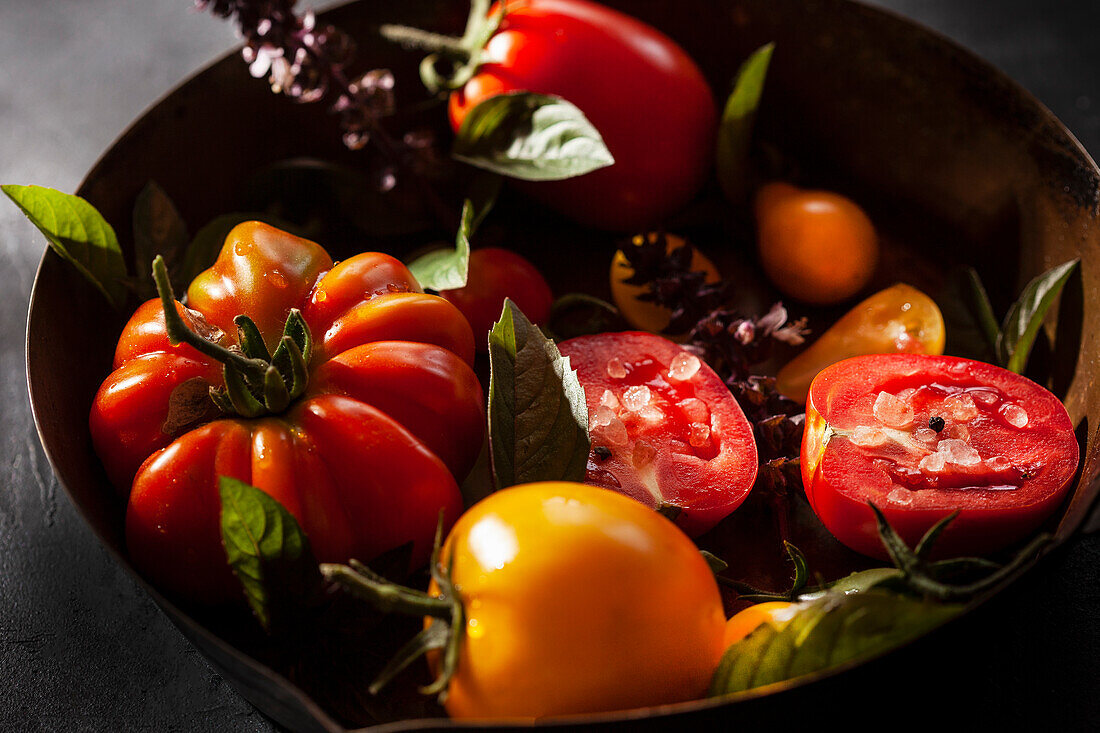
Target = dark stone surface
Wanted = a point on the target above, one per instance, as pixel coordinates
(81, 648)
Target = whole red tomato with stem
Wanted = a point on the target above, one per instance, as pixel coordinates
(923, 436)
(665, 429)
(494, 275)
(343, 391)
(645, 95)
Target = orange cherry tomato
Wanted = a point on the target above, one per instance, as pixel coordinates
(899, 319)
(744, 622)
(816, 246)
(578, 600)
(642, 314)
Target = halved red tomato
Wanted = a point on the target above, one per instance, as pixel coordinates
(922, 436)
(665, 428)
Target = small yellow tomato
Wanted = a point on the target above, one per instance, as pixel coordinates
(899, 319)
(577, 600)
(644, 315)
(816, 246)
(744, 622)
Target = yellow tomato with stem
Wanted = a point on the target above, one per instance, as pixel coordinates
(641, 314)
(897, 320)
(577, 599)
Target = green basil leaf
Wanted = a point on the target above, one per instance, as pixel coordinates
(735, 129)
(533, 137)
(269, 553)
(1026, 315)
(447, 269)
(824, 632)
(538, 417)
(158, 230)
(972, 329)
(78, 233)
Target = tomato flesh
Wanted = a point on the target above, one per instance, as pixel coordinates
(923, 436)
(659, 438)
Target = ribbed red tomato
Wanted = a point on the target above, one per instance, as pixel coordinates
(665, 428)
(923, 436)
(362, 455)
(644, 94)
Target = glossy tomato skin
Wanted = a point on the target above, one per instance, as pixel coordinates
(644, 94)
(496, 274)
(578, 600)
(1025, 460)
(365, 459)
(650, 456)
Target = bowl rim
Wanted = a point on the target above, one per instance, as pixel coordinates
(191, 628)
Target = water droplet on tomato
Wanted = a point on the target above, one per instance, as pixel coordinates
(900, 496)
(1015, 415)
(321, 296)
(276, 278)
(242, 248)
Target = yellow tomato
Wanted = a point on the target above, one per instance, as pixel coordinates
(816, 246)
(899, 319)
(578, 600)
(744, 622)
(642, 314)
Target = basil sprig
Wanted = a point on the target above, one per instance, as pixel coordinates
(447, 269)
(533, 137)
(538, 417)
(968, 312)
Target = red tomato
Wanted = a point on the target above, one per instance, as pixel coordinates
(665, 428)
(496, 274)
(1004, 454)
(363, 458)
(643, 93)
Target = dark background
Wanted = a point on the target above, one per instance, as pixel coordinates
(82, 648)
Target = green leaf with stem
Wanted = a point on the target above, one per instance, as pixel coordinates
(1025, 317)
(268, 552)
(735, 130)
(447, 269)
(538, 417)
(158, 230)
(748, 592)
(78, 233)
(533, 137)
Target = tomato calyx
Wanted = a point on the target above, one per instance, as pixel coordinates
(257, 382)
(452, 61)
(445, 632)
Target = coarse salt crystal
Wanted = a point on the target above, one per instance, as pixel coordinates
(958, 452)
(684, 366)
(1014, 414)
(997, 463)
(612, 434)
(927, 436)
(958, 431)
(906, 394)
(603, 416)
(652, 413)
(699, 435)
(616, 369)
(900, 496)
(892, 412)
(609, 400)
(933, 463)
(694, 409)
(636, 397)
(643, 454)
(866, 437)
(960, 407)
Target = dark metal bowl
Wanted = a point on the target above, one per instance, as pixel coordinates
(956, 163)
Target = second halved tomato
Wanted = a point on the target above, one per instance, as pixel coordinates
(665, 429)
